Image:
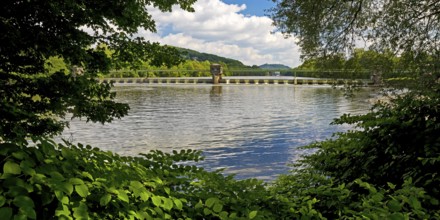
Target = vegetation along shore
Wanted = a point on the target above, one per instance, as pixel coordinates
(53, 52)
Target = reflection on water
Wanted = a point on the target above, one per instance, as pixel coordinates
(251, 130)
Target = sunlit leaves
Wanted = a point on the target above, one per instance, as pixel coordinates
(82, 190)
(89, 183)
(75, 178)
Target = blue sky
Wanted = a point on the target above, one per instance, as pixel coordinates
(253, 7)
(236, 29)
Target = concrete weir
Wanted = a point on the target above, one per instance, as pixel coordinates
(239, 80)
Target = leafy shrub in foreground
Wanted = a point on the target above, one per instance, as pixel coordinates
(66, 181)
(386, 168)
(395, 141)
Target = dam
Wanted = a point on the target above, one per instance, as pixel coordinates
(264, 80)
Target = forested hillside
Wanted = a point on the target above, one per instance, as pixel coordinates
(274, 66)
(188, 54)
(195, 64)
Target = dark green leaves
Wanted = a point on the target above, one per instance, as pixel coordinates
(37, 92)
(11, 168)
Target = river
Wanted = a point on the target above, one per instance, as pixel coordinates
(253, 131)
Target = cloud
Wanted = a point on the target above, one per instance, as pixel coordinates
(219, 28)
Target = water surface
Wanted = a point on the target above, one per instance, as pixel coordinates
(251, 130)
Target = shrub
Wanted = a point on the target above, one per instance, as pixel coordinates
(75, 181)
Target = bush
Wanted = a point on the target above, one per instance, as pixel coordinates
(68, 181)
(391, 157)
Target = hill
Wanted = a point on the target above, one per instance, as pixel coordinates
(194, 55)
(231, 63)
(274, 66)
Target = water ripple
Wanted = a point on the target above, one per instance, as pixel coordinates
(251, 131)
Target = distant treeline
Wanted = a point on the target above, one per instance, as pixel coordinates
(363, 63)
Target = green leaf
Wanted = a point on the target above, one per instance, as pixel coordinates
(29, 212)
(76, 181)
(136, 184)
(210, 202)
(396, 216)
(198, 205)
(157, 201)
(167, 190)
(57, 176)
(167, 203)
(122, 195)
(23, 201)
(105, 199)
(66, 153)
(145, 195)
(217, 208)
(11, 168)
(178, 204)
(394, 206)
(20, 216)
(253, 214)
(392, 186)
(27, 170)
(19, 155)
(66, 187)
(82, 190)
(6, 213)
(65, 200)
(223, 215)
(137, 188)
(415, 203)
(158, 180)
(2, 200)
(87, 175)
(206, 211)
(81, 212)
(112, 190)
(143, 215)
(59, 194)
(63, 211)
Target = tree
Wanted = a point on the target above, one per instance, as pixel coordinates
(32, 99)
(333, 26)
(385, 168)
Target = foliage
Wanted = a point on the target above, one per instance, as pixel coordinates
(33, 96)
(268, 66)
(387, 167)
(68, 181)
(302, 195)
(47, 180)
(363, 63)
(395, 141)
(188, 68)
(333, 26)
(197, 56)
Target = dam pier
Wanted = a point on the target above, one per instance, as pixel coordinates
(257, 80)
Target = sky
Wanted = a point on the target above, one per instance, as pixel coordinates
(237, 29)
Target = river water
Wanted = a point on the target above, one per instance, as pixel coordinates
(250, 130)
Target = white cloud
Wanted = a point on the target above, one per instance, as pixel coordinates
(219, 28)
